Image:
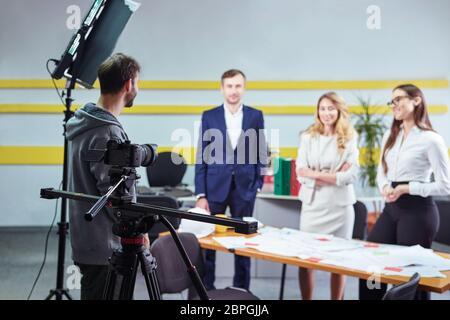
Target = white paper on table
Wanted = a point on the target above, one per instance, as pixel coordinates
(353, 254)
(231, 242)
(200, 229)
(352, 259)
(408, 256)
(424, 257)
(424, 271)
(287, 252)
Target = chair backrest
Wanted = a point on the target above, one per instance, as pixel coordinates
(164, 172)
(404, 291)
(162, 201)
(171, 270)
(443, 234)
(360, 225)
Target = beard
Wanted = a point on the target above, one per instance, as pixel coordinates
(233, 100)
(130, 101)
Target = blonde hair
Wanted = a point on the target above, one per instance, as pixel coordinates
(343, 128)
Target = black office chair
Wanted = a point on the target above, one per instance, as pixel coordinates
(404, 291)
(165, 176)
(165, 172)
(171, 271)
(360, 224)
(443, 234)
(162, 201)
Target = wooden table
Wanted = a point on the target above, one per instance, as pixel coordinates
(438, 285)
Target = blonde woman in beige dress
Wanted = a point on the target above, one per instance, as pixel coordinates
(327, 167)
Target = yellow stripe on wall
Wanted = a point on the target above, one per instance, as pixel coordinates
(45, 155)
(54, 155)
(342, 85)
(167, 109)
(34, 108)
(197, 109)
(251, 85)
(31, 155)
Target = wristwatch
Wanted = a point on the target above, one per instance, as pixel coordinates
(199, 196)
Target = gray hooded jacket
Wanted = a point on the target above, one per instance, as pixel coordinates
(91, 127)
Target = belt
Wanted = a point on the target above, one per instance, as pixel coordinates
(409, 200)
(397, 183)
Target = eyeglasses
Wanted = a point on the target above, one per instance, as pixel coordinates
(396, 101)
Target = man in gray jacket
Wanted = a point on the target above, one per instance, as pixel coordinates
(91, 127)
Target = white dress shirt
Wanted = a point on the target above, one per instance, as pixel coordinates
(420, 154)
(234, 124)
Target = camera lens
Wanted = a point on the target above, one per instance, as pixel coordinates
(148, 154)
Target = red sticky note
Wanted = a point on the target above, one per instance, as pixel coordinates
(371, 245)
(250, 244)
(393, 269)
(312, 259)
(323, 239)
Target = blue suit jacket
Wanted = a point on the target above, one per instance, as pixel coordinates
(216, 161)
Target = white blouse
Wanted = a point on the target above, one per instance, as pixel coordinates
(321, 153)
(420, 154)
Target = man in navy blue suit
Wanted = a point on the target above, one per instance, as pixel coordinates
(231, 158)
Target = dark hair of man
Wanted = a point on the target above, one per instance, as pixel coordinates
(115, 71)
(232, 73)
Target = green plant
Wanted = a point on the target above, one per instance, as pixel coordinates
(370, 127)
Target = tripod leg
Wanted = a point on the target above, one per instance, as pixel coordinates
(110, 285)
(191, 269)
(50, 295)
(68, 296)
(121, 276)
(148, 267)
(58, 294)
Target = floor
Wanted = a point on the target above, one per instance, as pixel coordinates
(22, 251)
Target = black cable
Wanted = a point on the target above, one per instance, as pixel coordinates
(54, 82)
(45, 249)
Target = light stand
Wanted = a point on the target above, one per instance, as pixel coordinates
(91, 45)
(59, 292)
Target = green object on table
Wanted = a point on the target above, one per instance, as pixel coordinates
(282, 176)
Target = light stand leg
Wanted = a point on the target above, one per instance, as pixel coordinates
(59, 292)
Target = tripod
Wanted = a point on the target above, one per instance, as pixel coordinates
(124, 262)
(134, 220)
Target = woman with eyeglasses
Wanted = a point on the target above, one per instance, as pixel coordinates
(327, 167)
(411, 152)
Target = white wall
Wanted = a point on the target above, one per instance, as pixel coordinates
(198, 40)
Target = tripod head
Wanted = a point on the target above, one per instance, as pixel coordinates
(122, 192)
(124, 157)
(122, 181)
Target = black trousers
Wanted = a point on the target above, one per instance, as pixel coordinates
(93, 281)
(411, 220)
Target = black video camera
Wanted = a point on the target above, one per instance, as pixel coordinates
(126, 154)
